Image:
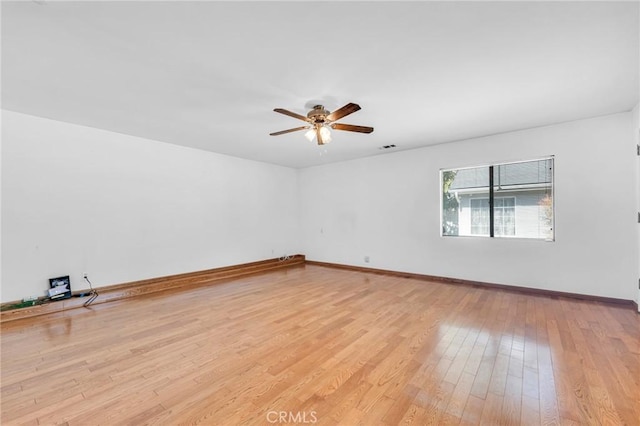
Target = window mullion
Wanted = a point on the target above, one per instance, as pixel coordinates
(491, 203)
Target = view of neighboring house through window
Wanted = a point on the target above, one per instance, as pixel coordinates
(479, 211)
(501, 200)
(504, 220)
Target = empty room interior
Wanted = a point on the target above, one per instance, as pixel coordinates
(318, 212)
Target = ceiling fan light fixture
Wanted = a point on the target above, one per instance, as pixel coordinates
(325, 133)
(310, 135)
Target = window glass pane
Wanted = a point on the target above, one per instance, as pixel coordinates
(479, 210)
(461, 188)
(523, 193)
(503, 216)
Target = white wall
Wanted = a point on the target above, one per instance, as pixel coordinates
(78, 199)
(387, 207)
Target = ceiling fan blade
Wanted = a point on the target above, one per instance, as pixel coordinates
(291, 114)
(282, 132)
(352, 128)
(349, 108)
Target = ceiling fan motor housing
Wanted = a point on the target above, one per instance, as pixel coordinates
(318, 114)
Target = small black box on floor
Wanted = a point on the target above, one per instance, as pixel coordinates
(60, 288)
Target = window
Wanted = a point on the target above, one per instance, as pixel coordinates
(501, 200)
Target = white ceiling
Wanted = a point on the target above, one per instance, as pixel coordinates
(208, 74)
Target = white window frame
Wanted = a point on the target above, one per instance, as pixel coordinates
(551, 185)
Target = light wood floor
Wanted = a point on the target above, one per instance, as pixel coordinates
(315, 344)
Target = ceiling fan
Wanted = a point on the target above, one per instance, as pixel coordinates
(320, 121)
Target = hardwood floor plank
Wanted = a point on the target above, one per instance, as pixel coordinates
(530, 383)
(412, 415)
(547, 387)
(460, 395)
(530, 411)
(472, 413)
(512, 400)
(347, 347)
(491, 410)
(402, 404)
(498, 379)
(434, 399)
